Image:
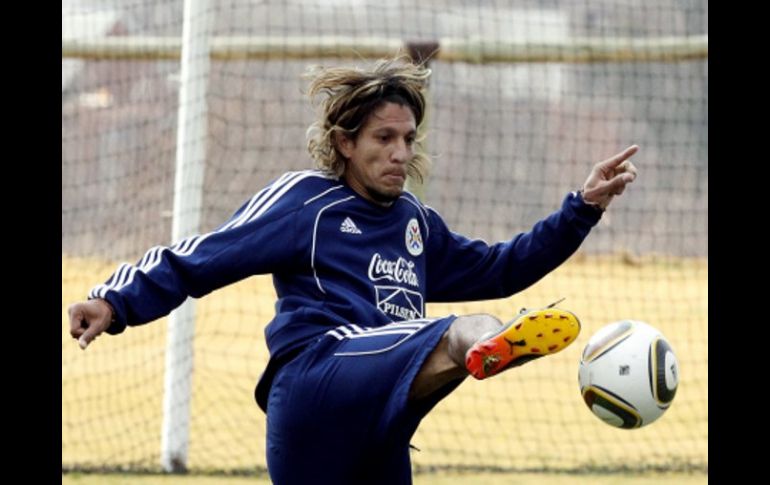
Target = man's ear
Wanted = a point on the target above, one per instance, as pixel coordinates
(344, 144)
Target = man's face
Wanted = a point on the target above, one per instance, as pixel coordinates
(378, 158)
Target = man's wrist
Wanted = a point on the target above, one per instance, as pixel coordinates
(594, 205)
(111, 308)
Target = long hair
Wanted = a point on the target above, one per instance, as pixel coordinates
(352, 95)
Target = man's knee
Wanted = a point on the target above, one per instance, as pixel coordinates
(447, 361)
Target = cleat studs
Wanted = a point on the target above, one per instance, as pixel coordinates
(508, 347)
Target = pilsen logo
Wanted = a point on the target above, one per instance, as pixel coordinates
(399, 302)
(398, 271)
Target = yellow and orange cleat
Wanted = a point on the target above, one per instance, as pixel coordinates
(532, 334)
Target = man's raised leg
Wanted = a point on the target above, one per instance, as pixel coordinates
(482, 346)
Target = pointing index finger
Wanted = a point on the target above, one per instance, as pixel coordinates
(619, 158)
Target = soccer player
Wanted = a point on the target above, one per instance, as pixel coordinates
(355, 363)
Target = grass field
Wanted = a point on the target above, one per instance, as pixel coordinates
(530, 418)
(437, 479)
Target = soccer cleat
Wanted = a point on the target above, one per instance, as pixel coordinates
(531, 335)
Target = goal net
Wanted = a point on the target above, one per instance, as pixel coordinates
(523, 100)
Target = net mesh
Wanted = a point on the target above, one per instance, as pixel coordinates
(508, 139)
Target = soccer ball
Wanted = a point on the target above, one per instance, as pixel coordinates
(628, 374)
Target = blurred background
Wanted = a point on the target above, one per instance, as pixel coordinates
(525, 97)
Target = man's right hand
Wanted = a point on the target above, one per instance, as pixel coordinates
(88, 319)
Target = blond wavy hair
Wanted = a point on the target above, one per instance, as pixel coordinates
(351, 95)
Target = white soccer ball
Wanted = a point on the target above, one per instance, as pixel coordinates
(628, 374)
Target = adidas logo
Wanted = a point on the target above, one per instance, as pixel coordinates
(349, 226)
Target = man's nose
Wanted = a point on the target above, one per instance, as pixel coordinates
(402, 153)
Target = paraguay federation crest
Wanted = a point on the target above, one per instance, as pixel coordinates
(413, 238)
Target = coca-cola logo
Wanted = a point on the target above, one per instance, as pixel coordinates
(398, 271)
